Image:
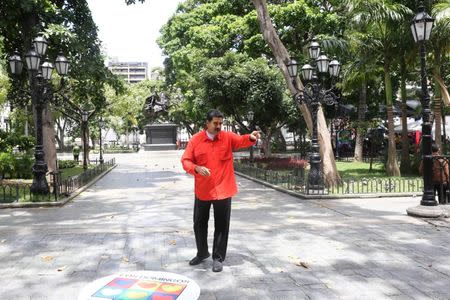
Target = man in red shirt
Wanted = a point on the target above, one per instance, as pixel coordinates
(208, 156)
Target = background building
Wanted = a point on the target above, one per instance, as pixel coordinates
(131, 72)
(4, 117)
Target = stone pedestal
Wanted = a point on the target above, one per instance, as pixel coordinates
(422, 211)
(160, 137)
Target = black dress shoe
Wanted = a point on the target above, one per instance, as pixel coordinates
(196, 260)
(217, 265)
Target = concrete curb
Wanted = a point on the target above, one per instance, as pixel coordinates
(57, 203)
(331, 197)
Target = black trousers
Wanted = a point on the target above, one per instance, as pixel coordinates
(222, 211)
(441, 190)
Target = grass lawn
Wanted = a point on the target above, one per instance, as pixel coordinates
(66, 173)
(353, 169)
(71, 172)
(360, 169)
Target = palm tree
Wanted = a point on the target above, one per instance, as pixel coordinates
(357, 74)
(440, 47)
(381, 18)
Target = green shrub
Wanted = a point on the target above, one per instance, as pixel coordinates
(23, 166)
(67, 164)
(9, 141)
(25, 143)
(7, 164)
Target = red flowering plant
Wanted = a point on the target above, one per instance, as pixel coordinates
(277, 163)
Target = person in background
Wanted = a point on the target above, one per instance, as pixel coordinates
(76, 153)
(440, 174)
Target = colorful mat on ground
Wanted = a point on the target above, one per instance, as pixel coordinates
(121, 288)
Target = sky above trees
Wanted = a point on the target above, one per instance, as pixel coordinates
(130, 32)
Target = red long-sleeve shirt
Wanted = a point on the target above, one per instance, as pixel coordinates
(217, 156)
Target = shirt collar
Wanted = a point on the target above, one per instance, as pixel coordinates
(216, 137)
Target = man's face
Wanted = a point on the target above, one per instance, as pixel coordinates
(215, 125)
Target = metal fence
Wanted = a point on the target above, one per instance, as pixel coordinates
(59, 188)
(67, 186)
(291, 180)
(297, 180)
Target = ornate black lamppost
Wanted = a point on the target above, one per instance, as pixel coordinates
(84, 125)
(250, 116)
(314, 94)
(421, 27)
(101, 124)
(41, 90)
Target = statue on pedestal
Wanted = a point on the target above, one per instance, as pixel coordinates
(156, 106)
(160, 135)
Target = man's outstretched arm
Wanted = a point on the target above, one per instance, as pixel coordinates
(244, 141)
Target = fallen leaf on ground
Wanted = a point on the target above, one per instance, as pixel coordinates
(60, 269)
(302, 264)
(47, 258)
(125, 259)
(298, 262)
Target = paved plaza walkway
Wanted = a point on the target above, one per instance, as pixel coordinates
(139, 217)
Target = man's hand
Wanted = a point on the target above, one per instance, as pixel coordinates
(202, 171)
(255, 135)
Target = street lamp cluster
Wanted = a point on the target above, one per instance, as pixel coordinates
(41, 91)
(314, 94)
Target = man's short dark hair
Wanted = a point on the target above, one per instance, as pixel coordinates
(434, 147)
(213, 113)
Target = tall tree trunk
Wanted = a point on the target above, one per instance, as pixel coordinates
(392, 168)
(405, 162)
(437, 109)
(26, 132)
(281, 55)
(48, 131)
(442, 93)
(60, 134)
(361, 118)
(266, 142)
(280, 140)
(437, 112)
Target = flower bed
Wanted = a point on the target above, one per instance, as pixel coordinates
(277, 163)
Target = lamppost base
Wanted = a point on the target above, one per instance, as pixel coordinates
(40, 187)
(423, 211)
